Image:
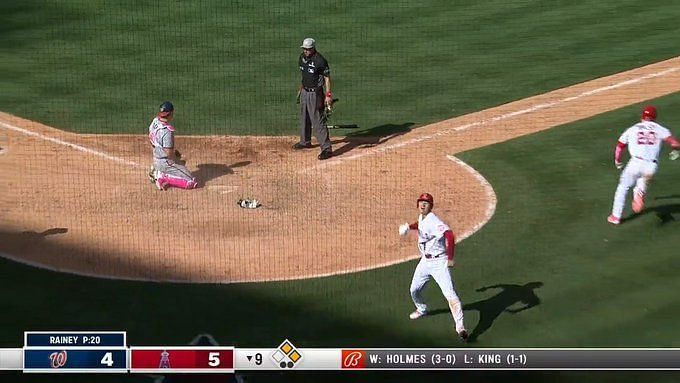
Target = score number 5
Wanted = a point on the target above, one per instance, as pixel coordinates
(214, 359)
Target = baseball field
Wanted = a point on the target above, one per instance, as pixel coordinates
(506, 111)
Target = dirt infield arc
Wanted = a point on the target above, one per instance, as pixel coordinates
(81, 203)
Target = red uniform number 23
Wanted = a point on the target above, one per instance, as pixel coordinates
(646, 138)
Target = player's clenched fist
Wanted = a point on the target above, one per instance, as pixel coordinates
(403, 229)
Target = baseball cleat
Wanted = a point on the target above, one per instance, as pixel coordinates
(152, 175)
(416, 314)
(161, 185)
(613, 219)
(299, 145)
(326, 154)
(463, 335)
(638, 202)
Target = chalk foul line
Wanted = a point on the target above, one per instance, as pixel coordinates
(534, 108)
(70, 145)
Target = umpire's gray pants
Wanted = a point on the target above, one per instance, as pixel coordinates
(312, 116)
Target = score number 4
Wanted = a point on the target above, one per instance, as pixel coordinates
(107, 359)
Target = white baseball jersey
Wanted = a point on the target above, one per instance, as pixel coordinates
(431, 239)
(644, 140)
(161, 136)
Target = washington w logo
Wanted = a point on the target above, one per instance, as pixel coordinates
(58, 359)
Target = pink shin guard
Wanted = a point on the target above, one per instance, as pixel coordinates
(178, 182)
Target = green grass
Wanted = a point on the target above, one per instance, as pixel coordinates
(602, 286)
(230, 67)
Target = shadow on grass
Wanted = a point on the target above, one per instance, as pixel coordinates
(665, 213)
(491, 308)
(371, 137)
(245, 315)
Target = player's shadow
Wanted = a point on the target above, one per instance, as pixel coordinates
(371, 137)
(208, 172)
(18, 242)
(35, 236)
(670, 196)
(666, 213)
(491, 308)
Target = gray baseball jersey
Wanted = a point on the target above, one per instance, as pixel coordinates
(162, 136)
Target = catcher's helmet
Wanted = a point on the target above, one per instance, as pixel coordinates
(426, 197)
(165, 109)
(649, 113)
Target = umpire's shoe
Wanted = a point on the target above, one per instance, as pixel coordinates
(300, 145)
(326, 154)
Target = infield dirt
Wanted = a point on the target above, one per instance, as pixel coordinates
(82, 203)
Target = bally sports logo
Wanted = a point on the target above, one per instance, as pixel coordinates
(58, 359)
(353, 359)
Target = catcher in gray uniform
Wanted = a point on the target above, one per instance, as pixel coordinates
(166, 171)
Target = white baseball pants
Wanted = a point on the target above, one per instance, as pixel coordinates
(637, 172)
(436, 268)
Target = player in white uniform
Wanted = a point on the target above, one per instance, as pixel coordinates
(436, 244)
(644, 144)
(166, 171)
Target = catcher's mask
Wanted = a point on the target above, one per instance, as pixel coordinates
(426, 197)
(165, 109)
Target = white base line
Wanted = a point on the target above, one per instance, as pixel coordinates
(70, 145)
(380, 149)
(460, 128)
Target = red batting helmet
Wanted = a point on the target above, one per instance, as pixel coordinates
(649, 113)
(426, 197)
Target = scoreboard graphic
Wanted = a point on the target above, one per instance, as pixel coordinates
(109, 352)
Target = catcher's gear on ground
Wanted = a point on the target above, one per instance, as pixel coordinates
(248, 203)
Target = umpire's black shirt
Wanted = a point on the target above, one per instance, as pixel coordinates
(314, 69)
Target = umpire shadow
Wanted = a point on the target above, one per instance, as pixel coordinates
(208, 172)
(371, 137)
(490, 308)
(666, 213)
